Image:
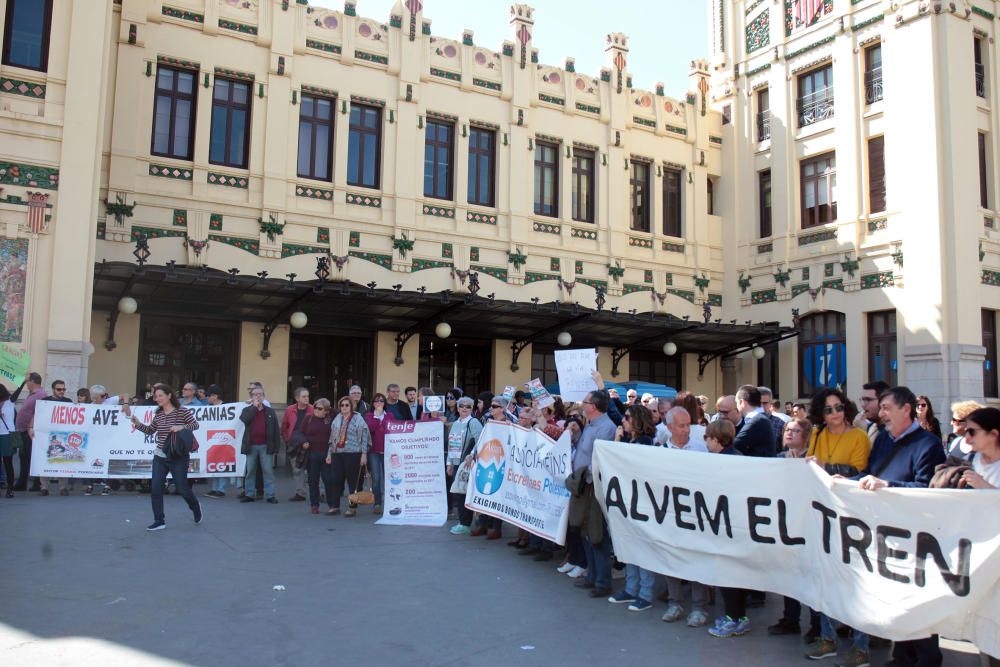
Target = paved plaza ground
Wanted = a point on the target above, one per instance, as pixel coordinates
(85, 584)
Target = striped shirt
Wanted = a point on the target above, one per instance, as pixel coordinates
(162, 424)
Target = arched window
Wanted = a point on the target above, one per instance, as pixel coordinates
(822, 352)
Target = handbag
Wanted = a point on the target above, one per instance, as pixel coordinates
(464, 472)
(179, 444)
(294, 447)
(14, 439)
(360, 497)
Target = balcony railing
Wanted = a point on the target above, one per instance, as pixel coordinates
(815, 107)
(763, 125)
(873, 85)
(980, 81)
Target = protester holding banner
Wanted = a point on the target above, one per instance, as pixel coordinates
(349, 443)
(637, 428)
(377, 419)
(6, 429)
(169, 418)
(837, 445)
(461, 439)
(598, 551)
(316, 429)
(795, 438)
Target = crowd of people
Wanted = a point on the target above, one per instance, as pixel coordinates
(892, 440)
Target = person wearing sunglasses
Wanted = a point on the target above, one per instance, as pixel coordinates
(350, 441)
(451, 405)
(377, 419)
(316, 429)
(982, 433)
(926, 418)
(463, 434)
(957, 444)
(837, 445)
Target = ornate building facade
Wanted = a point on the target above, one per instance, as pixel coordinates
(859, 188)
(211, 172)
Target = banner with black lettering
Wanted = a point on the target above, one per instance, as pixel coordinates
(100, 442)
(519, 475)
(895, 563)
(415, 491)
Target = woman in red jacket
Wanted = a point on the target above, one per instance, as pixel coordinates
(377, 420)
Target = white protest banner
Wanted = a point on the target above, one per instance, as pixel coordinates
(99, 441)
(539, 394)
(895, 563)
(519, 475)
(415, 493)
(574, 369)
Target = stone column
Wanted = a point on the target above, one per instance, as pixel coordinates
(74, 239)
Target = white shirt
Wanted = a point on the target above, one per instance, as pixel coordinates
(989, 471)
(691, 446)
(782, 416)
(7, 412)
(696, 441)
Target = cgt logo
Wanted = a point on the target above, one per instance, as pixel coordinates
(221, 459)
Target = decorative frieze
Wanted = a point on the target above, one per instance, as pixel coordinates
(877, 280)
(444, 74)
(536, 277)
(371, 101)
(155, 233)
(385, 261)
(323, 235)
(588, 108)
(482, 218)
(646, 122)
(20, 87)
(371, 57)
(834, 283)
(498, 273)
(594, 282)
(550, 99)
(547, 228)
(294, 249)
(578, 233)
(676, 130)
(647, 276)
(687, 295)
(669, 246)
(877, 225)
(447, 250)
(228, 180)
(179, 173)
(238, 27)
(422, 264)
(439, 211)
(765, 248)
(234, 74)
(799, 289)
(180, 218)
(489, 85)
(758, 32)
(323, 46)
(818, 237)
(182, 14)
(637, 242)
(763, 296)
(354, 240)
(991, 277)
(12, 173)
(215, 222)
(578, 267)
(714, 300)
(364, 200)
(313, 193)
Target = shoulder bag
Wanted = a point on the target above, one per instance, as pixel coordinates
(360, 497)
(14, 438)
(179, 444)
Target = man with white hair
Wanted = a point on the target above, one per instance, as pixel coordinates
(677, 429)
(631, 396)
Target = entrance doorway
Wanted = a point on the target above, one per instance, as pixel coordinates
(328, 365)
(176, 352)
(455, 363)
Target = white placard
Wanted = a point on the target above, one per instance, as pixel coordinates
(575, 371)
(433, 403)
(415, 492)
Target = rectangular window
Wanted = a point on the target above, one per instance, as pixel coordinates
(543, 363)
(583, 185)
(673, 216)
(873, 74)
(316, 137)
(546, 179)
(990, 389)
(710, 195)
(639, 197)
(815, 101)
(482, 166)
(764, 200)
(882, 363)
(763, 115)
(656, 367)
(26, 34)
(819, 190)
(876, 174)
(174, 113)
(230, 140)
(364, 149)
(984, 186)
(439, 147)
(977, 52)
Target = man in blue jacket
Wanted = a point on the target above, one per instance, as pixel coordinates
(754, 435)
(904, 455)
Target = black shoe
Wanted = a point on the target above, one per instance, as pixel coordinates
(543, 556)
(198, 516)
(246, 499)
(296, 498)
(583, 583)
(784, 627)
(601, 592)
(272, 500)
(528, 551)
(20, 487)
(156, 525)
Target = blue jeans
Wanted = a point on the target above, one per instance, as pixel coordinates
(376, 468)
(178, 469)
(258, 456)
(829, 632)
(219, 484)
(599, 560)
(639, 582)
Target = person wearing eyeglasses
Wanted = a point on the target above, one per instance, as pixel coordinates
(316, 429)
(957, 444)
(59, 396)
(350, 441)
(795, 439)
(838, 446)
(982, 433)
(867, 419)
(451, 405)
(903, 456)
(463, 434)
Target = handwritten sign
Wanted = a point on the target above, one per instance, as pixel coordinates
(14, 363)
(575, 369)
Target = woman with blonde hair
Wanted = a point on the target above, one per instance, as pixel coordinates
(957, 444)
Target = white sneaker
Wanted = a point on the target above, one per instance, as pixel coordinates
(564, 568)
(576, 572)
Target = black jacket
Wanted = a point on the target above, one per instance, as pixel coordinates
(400, 410)
(755, 437)
(272, 429)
